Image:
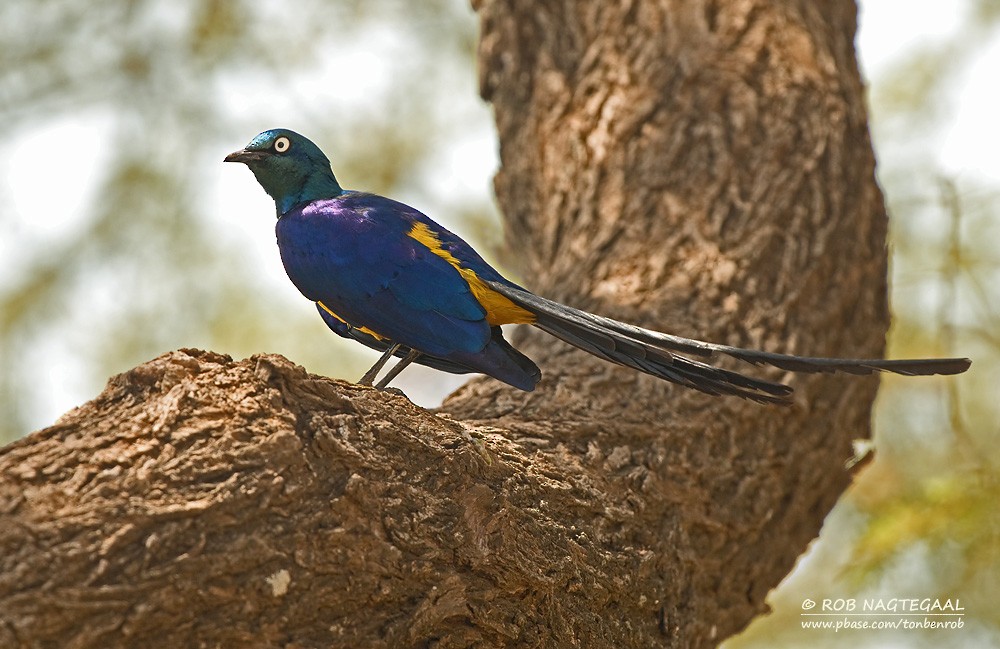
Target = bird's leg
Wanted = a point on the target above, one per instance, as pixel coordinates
(370, 375)
(411, 356)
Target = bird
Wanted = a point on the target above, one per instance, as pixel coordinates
(384, 274)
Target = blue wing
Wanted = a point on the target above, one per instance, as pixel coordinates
(355, 257)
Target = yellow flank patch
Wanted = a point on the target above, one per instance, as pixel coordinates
(364, 330)
(499, 309)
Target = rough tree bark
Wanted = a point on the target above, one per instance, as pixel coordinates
(696, 166)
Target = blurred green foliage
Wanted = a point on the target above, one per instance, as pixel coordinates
(153, 261)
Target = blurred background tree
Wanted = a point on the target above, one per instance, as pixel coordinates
(125, 236)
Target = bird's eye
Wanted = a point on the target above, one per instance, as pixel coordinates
(282, 144)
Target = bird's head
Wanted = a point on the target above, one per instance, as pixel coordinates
(289, 167)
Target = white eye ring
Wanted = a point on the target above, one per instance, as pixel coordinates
(282, 144)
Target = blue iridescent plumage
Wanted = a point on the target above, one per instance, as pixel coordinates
(386, 275)
(353, 254)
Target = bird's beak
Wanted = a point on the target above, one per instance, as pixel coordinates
(244, 156)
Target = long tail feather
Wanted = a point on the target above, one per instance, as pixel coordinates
(653, 352)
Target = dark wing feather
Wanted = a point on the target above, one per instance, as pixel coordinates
(654, 352)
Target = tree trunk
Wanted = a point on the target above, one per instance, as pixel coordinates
(698, 167)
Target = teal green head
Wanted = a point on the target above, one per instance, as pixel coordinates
(290, 168)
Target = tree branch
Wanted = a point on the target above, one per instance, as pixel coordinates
(697, 167)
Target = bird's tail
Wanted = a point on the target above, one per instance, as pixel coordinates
(655, 353)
